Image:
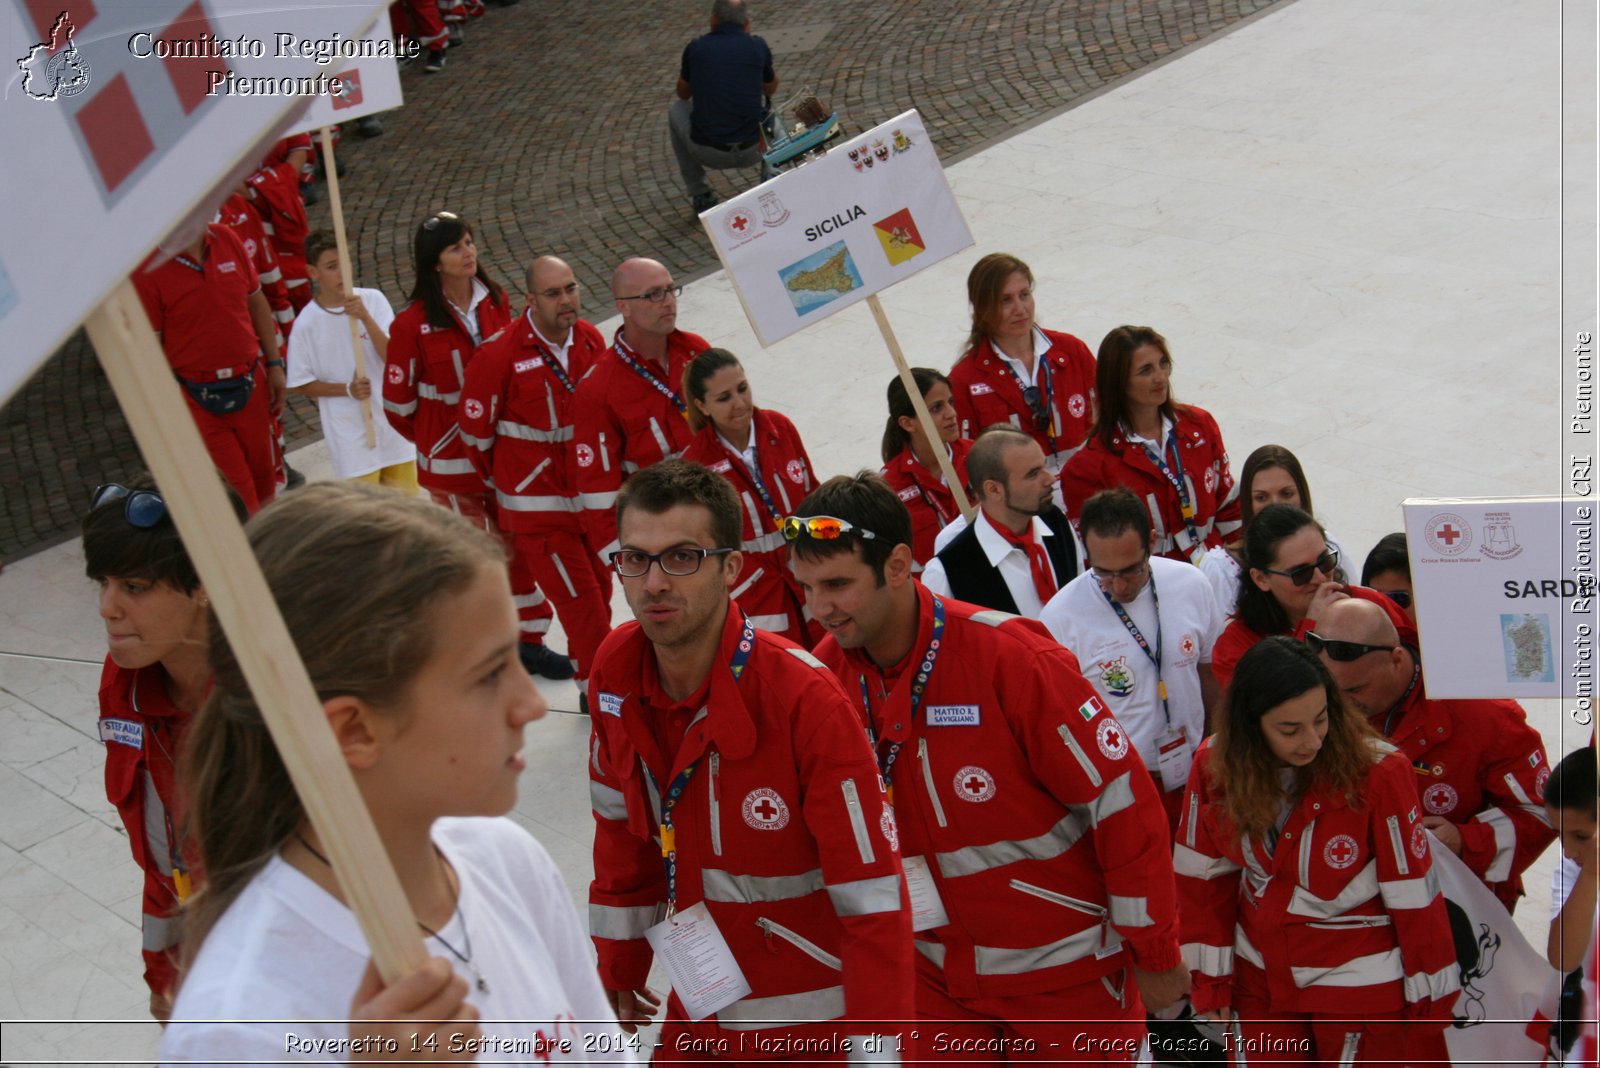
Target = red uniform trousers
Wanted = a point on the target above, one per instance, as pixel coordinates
(243, 445)
(1028, 1027)
(1380, 1039)
(478, 509)
(557, 569)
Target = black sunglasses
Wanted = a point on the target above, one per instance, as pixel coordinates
(1344, 652)
(1399, 597)
(1034, 398)
(141, 508)
(1302, 574)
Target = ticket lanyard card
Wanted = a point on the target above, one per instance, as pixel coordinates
(698, 961)
(927, 911)
(1176, 758)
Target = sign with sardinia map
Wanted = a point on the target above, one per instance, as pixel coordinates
(872, 212)
(1504, 592)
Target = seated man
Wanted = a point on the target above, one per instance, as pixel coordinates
(716, 120)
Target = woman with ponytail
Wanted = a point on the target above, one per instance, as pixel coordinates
(911, 461)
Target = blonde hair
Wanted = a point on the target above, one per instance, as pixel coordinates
(357, 572)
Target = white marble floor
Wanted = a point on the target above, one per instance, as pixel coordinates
(1346, 218)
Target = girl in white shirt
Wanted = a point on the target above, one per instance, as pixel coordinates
(402, 613)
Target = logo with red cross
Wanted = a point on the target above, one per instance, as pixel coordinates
(1341, 852)
(764, 810)
(886, 824)
(1077, 405)
(796, 470)
(974, 784)
(397, 374)
(1440, 798)
(585, 456)
(740, 224)
(1419, 841)
(474, 408)
(1112, 739)
(1539, 780)
(1187, 645)
(1448, 534)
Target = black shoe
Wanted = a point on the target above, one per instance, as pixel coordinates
(705, 202)
(546, 662)
(458, 36)
(435, 61)
(292, 478)
(369, 126)
(583, 703)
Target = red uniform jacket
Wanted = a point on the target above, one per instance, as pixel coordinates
(276, 197)
(1344, 915)
(782, 831)
(1481, 766)
(622, 423)
(1205, 471)
(767, 590)
(422, 390)
(984, 391)
(516, 418)
(931, 503)
(142, 730)
(237, 215)
(1237, 637)
(1044, 834)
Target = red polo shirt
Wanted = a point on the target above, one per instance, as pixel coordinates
(203, 316)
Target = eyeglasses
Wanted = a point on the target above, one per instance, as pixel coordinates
(141, 508)
(1102, 575)
(656, 296)
(570, 289)
(1302, 574)
(431, 223)
(680, 561)
(1034, 398)
(1399, 597)
(1343, 652)
(822, 528)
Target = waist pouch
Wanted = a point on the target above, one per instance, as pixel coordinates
(224, 396)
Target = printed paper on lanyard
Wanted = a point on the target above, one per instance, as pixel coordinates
(125, 143)
(872, 212)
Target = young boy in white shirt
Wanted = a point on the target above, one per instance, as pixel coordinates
(322, 365)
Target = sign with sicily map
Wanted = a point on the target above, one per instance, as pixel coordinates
(872, 212)
(1505, 595)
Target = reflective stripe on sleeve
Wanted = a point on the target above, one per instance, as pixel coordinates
(607, 803)
(997, 960)
(1130, 911)
(598, 501)
(1117, 796)
(459, 466)
(866, 897)
(160, 932)
(1215, 961)
(1433, 985)
(621, 923)
(522, 432)
(1505, 844)
(785, 1010)
(1410, 893)
(429, 391)
(518, 502)
(408, 408)
(1197, 865)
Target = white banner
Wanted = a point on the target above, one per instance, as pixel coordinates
(1504, 595)
(872, 212)
(1509, 992)
(368, 84)
(124, 119)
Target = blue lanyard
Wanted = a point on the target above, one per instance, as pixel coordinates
(550, 359)
(189, 263)
(669, 800)
(1185, 504)
(1133, 629)
(1045, 393)
(755, 478)
(625, 354)
(919, 686)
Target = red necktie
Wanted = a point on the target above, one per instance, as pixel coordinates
(1044, 575)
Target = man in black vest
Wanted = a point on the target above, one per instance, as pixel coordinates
(1018, 550)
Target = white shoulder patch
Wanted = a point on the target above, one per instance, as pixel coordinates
(807, 659)
(1382, 747)
(992, 616)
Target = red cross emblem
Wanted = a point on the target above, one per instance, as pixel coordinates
(764, 810)
(1111, 739)
(1186, 643)
(397, 374)
(1341, 851)
(473, 408)
(740, 223)
(974, 784)
(1440, 798)
(1448, 534)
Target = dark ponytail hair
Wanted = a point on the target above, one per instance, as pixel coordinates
(1269, 527)
(701, 370)
(895, 437)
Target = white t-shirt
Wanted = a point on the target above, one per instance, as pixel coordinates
(320, 351)
(286, 951)
(1118, 668)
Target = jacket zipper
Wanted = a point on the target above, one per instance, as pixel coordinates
(804, 945)
(858, 820)
(533, 474)
(446, 438)
(605, 457)
(1056, 897)
(927, 778)
(716, 807)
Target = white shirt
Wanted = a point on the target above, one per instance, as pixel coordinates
(469, 315)
(1008, 559)
(320, 351)
(558, 351)
(286, 950)
(1041, 346)
(1118, 668)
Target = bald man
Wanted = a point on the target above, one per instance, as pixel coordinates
(516, 418)
(629, 411)
(1480, 767)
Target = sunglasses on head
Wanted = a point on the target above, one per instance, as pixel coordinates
(821, 527)
(1399, 597)
(432, 222)
(1302, 574)
(141, 508)
(1344, 652)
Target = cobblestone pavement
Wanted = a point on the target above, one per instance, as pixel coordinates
(550, 134)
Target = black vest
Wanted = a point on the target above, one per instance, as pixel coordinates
(974, 580)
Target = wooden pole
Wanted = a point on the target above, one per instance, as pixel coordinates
(161, 424)
(956, 488)
(331, 172)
